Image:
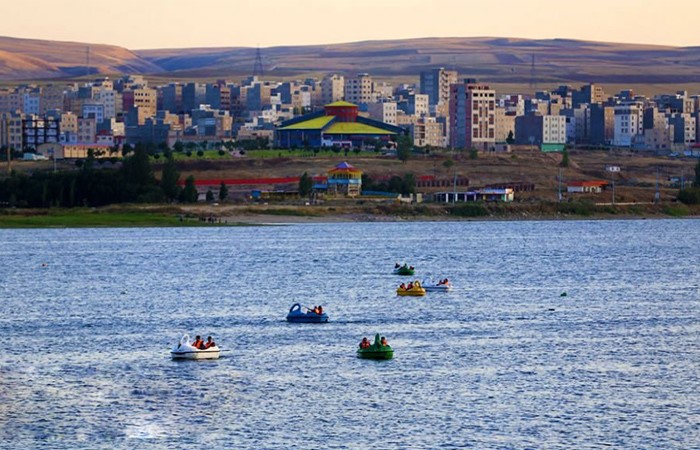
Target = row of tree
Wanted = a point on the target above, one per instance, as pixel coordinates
(132, 182)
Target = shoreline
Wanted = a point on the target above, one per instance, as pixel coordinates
(164, 216)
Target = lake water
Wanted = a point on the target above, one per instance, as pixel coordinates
(503, 362)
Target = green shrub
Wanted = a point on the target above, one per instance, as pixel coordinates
(689, 196)
(469, 210)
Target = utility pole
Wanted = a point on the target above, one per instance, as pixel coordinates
(657, 195)
(559, 189)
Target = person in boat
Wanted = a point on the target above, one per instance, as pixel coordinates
(411, 268)
(409, 287)
(319, 311)
(403, 286)
(209, 343)
(397, 265)
(198, 342)
(383, 342)
(445, 281)
(365, 343)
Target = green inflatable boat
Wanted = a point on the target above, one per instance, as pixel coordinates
(376, 350)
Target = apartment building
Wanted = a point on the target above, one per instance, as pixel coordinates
(628, 124)
(332, 89)
(472, 116)
(37, 130)
(537, 129)
(360, 90)
(11, 130)
(383, 112)
(436, 84)
(505, 124)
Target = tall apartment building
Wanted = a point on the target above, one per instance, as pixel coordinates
(38, 130)
(505, 124)
(537, 129)
(472, 116)
(193, 95)
(683, 126)
(602, 129)
(628, 124)
(87, 130)
(332, 89)
(146, 100)
(590, 94)
(360, 89)
(436, 83)
(51, 98)
(171, 98)
(11, 130)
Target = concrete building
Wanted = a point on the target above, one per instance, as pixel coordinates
(543, 131)
(436, 84)
(145, 99)
(31, 102)
(505, 124)
(110, 101)
(427, 131)
(602, 124)
(588, 94)
(472, 116)
(332, 89)
(51, 98)
(38, 130)
(578, 124)
(360, 90)
(87, 130)
(11, 136)
(417, 104)
(684, 128)
(170, 98)
(193, 95)
(383, 112)
(628, 124)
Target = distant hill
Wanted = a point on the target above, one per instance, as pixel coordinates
(498, 60)
(27, 59)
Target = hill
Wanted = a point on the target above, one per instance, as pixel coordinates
(39, 59)
(498, 60)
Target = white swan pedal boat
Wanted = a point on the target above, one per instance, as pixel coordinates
(185, 350)
(437, 287)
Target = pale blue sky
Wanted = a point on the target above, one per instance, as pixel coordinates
(140, 24)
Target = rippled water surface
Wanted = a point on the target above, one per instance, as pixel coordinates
(89, 315)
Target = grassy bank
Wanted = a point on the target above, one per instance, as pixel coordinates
(89, 218)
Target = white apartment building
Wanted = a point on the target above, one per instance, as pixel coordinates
(628, 124)
(553, 129)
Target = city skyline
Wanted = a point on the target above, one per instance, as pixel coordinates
(217, 23)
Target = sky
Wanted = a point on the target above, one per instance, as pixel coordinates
(146, 24)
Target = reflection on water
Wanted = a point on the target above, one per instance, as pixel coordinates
(503, 361)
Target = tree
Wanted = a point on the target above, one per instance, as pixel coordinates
(169, 178)
(510, 139)
(305, 185)
(178, 147)
(448, 164)
(696, 183)
(473, 153)
(210, 195)
(408, 186)
(223, 192)
(565, 158)
(189, 194)
(403, 151)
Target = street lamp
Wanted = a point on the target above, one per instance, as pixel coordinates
(613, 170)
